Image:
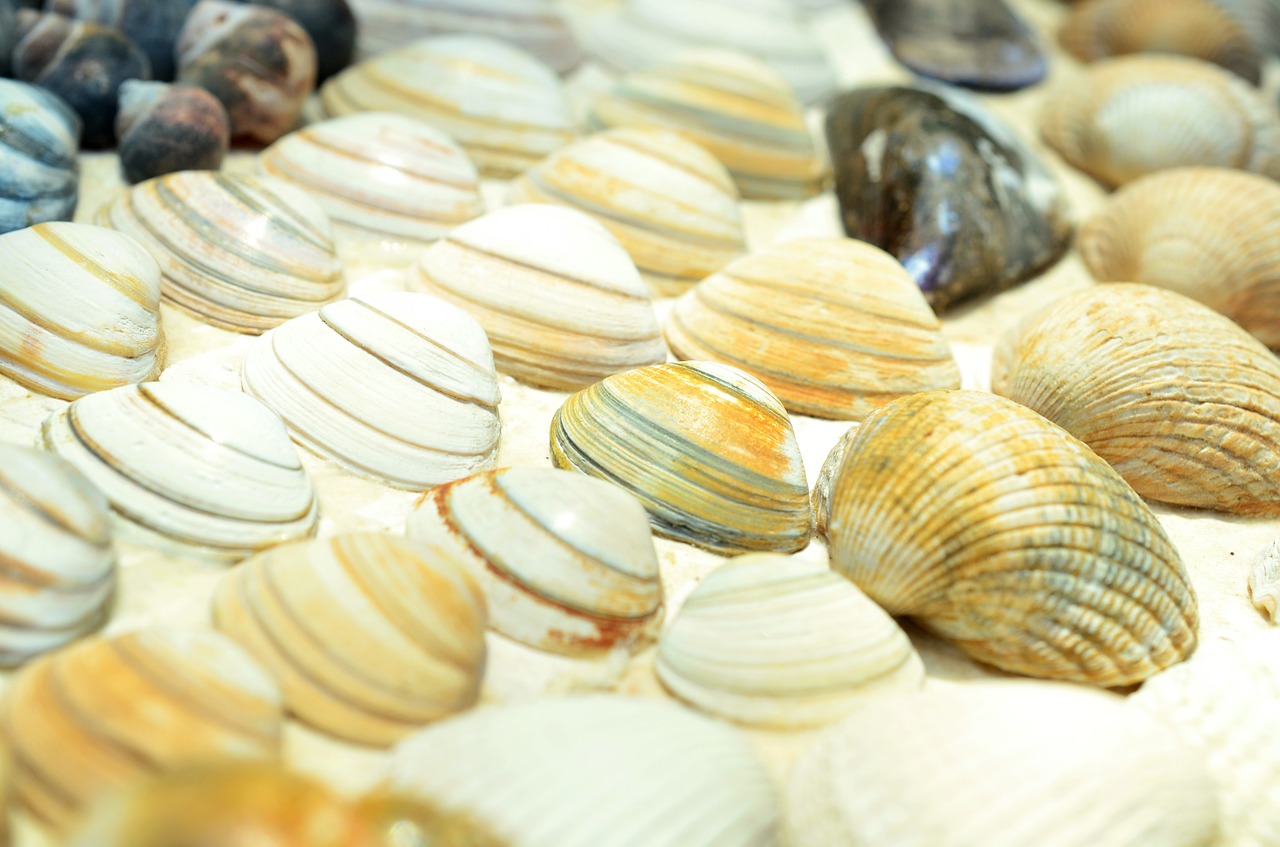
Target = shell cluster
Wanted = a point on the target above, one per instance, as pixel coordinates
(39, 139)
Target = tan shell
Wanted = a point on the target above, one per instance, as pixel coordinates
(1212, 234)
(1000, 532)
(1133, 115)
(835, 327)
(1183, 403)
(369, 635)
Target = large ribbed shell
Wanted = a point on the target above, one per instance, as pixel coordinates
(594, 772)
(381, 178)
(211, 471)
(1001, 764)
(79, 309)
(783, 643)
(670, 203)
(707, 450)
(736, 107)
(1000, 532)
(242, 253)
(835, 327)
(396, 386)
(1126, 117)
(568, 561)
(557, 295)
(1182, 402)
(369, 635)
(505, 108)
(1212, 234)
(57, 562)
(103, 712)
(39, 138)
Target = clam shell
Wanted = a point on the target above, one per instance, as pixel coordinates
(734, 106)
(209, 471)
(669, 202)
(369, 635)
(1183, 403)
(381, 178)
(594, 770)
(506, 108)
(1211, 234)
(704, 447)
(1010, 538)
(1264, 581)
(826, 478)
(60, 565)
(1002, 764)
(239, 252)
(106, 711)
(567, 561)
(558, 318)
(783, 643)
(396, 386)
(39, 138)
(79, 311)
(834, 327)
(1133, 115)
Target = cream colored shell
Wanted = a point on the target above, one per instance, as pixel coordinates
(1000, 532)
(827, 474)
(557, 295)
(395, 386)
(1264, 581)
(835, 327)
(369, 635)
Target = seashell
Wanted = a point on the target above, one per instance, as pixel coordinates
(152, 25)
(39, 138)
(834, 327)
(206, 470)
(1264, 581)
(556, 318)
(734, 106)
(505, 108)
(83, 63)
(239, 252)
(331, 26)
(106, 711)
(783, 643)
(1211, 234)
(704, 447)
(382, 178)
(1098, 29)
(826, 478)
(1133, 115)
(643, 32)
(579, 770)
(567, 561)
(1259, 18)
(356, 382)
(259, 62)
(60, 566)
(369, 637)
(1001, 763)
(1010, 538)
(167, 128)
(1223, 702)
(1184, 404)
(80, 310)
(669, 202)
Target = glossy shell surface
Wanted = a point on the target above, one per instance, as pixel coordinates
(39, 179)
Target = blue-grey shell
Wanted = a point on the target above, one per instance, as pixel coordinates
(39, 138)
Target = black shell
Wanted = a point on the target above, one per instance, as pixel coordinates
(38, 141)
(152, 24)
(166, 128)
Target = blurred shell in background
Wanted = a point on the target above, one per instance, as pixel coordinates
(153, 25)
(167, 128)
(39, 139)
(1259, 18)
(1264, 581)
(331, 25)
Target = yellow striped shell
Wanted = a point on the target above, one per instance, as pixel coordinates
(557, 318)
(669, 202)
(239, 252)
(369, 635)
(735, 107)
(705, 448)
(1003, 534)
(1183, 403)
(835, 327)
(1211, 234)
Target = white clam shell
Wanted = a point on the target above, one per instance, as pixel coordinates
(207, 470)
(594, 772)
(568, 561)
(396, 386)
(783, 642)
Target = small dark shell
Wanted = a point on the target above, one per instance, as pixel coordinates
(331, 25)
(152, 24)
(8, 33)
(166, 128)
(38, 141)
